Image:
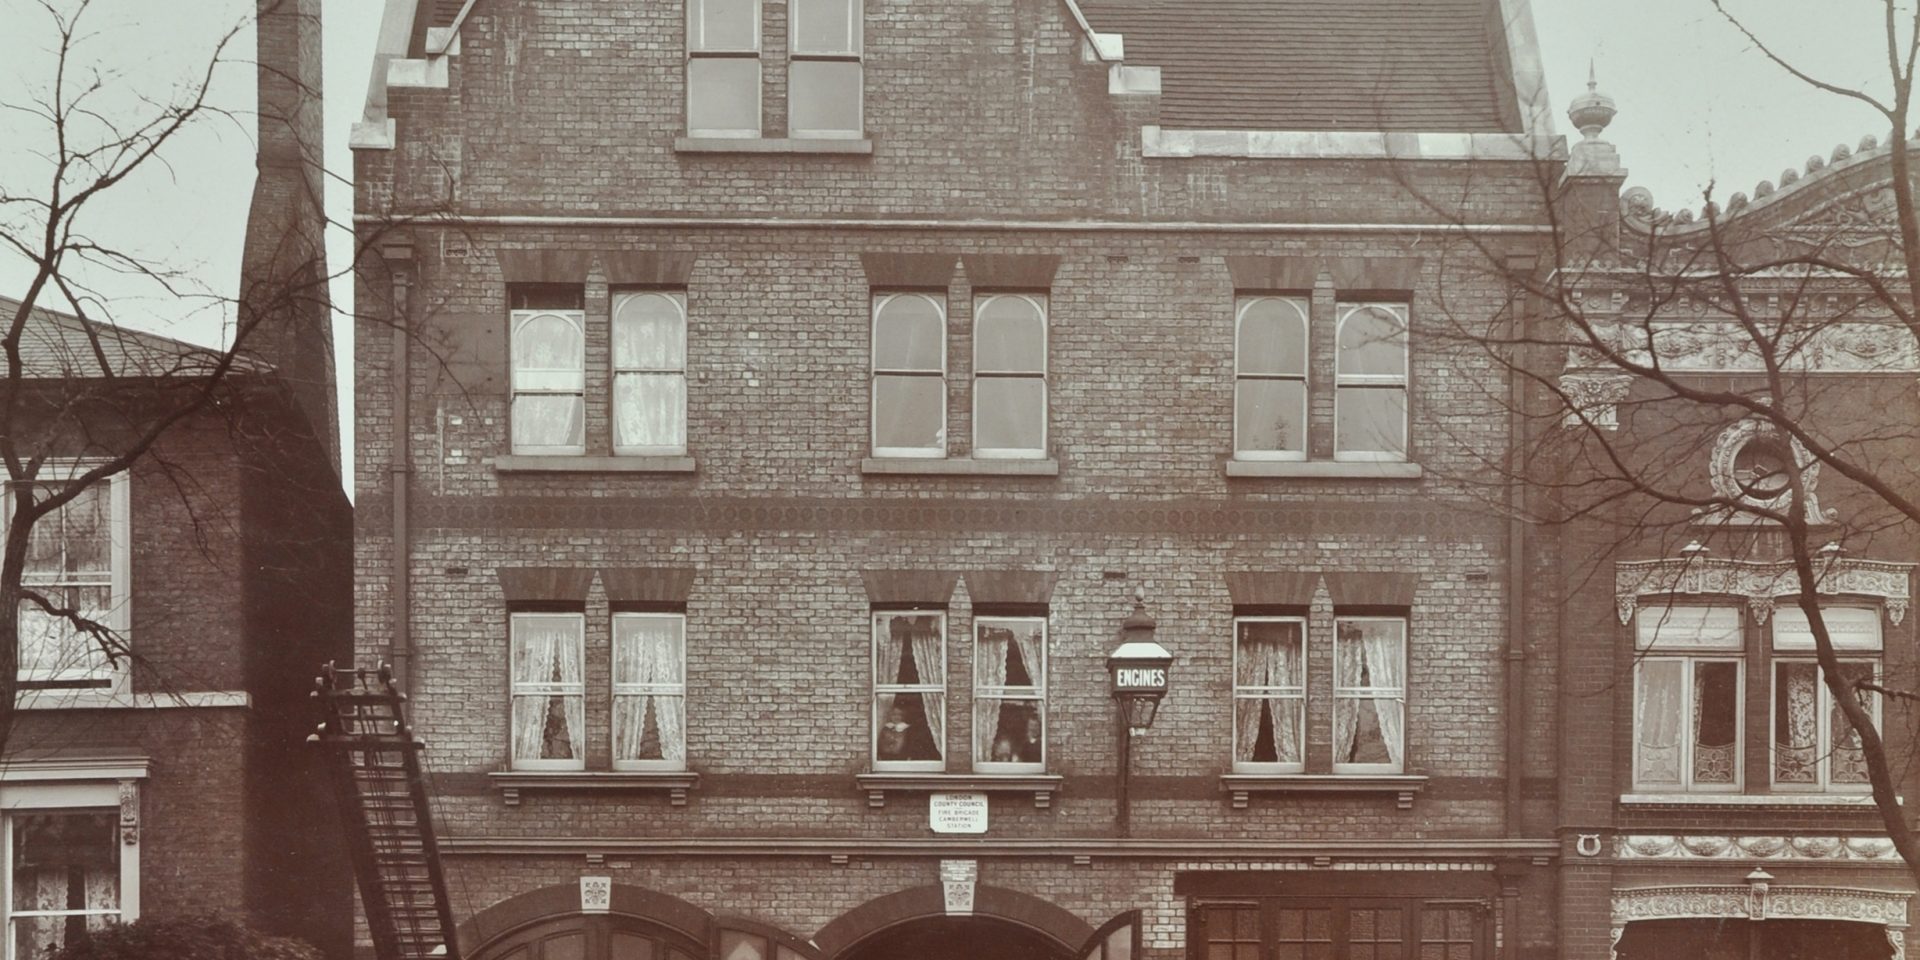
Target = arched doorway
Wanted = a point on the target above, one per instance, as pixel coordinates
(1731, 938)
(958, 938)
(592, 937)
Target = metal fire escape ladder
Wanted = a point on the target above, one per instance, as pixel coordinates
(375, 768)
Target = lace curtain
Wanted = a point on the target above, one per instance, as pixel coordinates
(647, 663)
(549, 706)
(933, 673)
(1657, 721)
(1849, 759)
(990, 674)
(896, 638)
(66, 863)
(1370, 668)
(1796, 748)
(69, 561)
(1269, 656)
(649, 360)
(549, 351)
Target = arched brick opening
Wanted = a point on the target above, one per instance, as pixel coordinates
(847, 931)
(562, 900)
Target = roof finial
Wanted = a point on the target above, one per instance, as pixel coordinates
(1593, 110)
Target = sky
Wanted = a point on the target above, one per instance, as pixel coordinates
(1698, 104)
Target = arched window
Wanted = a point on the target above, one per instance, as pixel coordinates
(1010, 376)
(649, 373)
(909, 376)
(549, 381)
(593, 937)
(1270, 379)
(1370, 382)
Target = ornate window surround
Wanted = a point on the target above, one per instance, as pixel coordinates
(1720, 469)
(1757, 899)
(1760, 582)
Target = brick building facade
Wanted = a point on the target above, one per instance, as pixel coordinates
(787, 415)
(1721, 803)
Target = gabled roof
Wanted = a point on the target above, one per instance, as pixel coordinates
(56, 345)
(1364, 65)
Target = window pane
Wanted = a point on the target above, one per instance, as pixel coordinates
(723, 96)
(649, 710)
(649, 333)
(909, 333)
(1270, 415)
(1796, 722)
(1268, 729)
(908, 652)
(64, 861)
(650, 410)
(1659, 697)
(826, 26)
(823, 98)
(52, 648)
(1373, 341)
(547, 343)
(1716, 721)
(1847, 761)
(1273, 338)
(1010, 413)
(1669, 628)
(1371, 419)
(909, 412)
(627, 946)
(549, 420)
(1010, 336)
(723, 24)
(735, 945)
(1850, 628)
(1009, 683)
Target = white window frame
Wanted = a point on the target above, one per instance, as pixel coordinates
(118, 676)
(855, 55)
(553, 381)
(1039, 302)
(650, 690)
(880, 300)
(1648, 649)
(698, 49)
(874, 624)
(49, 786)
(1370, 693)
(1036, 694)
(1295, 693)
(545, 689)
(1400, 381)
(1857, 639)
(1305, 378)
(679, 300)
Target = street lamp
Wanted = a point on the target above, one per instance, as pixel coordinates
(1137, 670)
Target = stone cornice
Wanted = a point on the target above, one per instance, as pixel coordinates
(1770, 848)
(1761, 583)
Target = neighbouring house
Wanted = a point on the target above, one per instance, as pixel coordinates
(769, 413)
(1715, 800)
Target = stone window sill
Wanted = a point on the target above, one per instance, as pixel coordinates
(861, 146)
(1241, 786)
(1862, 801)
(958, 467)
(1326, 469)
(1043, 786)
(674, 783)
(583, 464)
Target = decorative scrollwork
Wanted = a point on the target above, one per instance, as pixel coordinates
(1761, 582)
(1761, 847)
(1758, 901)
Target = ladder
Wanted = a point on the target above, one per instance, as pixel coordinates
(375, 768)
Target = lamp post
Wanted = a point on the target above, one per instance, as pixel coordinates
(1138, 670)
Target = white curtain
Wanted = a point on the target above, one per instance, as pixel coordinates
(1347, 671)
(933, 673)
(990, 672)
(649, 658)
(547, 659)
(650, 410)
(1386, 668)
(1268, 657)
(53, 854)
(889, 648)
(549, 420)
(1657, 721)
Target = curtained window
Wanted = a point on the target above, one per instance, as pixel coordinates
(1269, 695)
(909, 376)
(909, 690)
(1009, 694)
(548, 692)
(1687, 702)
(1814, 747)
(549, 370)
(1370, 382)
(649, 373)
(1270, 379)
(65, 877)
(1010, 376)
(1369, 694)
(649, 691)
(76, 559)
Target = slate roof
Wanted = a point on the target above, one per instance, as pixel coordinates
(1410, 65)
(54, 345)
